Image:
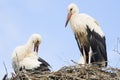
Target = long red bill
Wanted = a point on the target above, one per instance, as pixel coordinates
(36, 47)
(68, 18)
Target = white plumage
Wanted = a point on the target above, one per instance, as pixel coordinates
(79, 21)
(26, 56)
(89, 36)
(30, 61)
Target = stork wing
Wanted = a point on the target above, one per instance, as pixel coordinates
(44, 63)
(98, 45)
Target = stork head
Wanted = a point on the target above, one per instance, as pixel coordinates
(72, 9)
(36, 40)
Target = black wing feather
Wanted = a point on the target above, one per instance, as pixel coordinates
(43, 61)
(44, 65)
(98, 45)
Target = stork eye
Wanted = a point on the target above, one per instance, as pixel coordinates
(38, 42)
(71, 9)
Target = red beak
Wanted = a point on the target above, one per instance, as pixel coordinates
(68, 18)
(36, 46)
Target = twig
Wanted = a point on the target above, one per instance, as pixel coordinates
(5, 68)
(74, 62)
(117, 49)
(5, 76)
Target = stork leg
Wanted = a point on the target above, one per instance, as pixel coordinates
(84, 56)
(90, 55)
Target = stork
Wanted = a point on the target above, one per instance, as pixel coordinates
(89, 36)
(26, 57)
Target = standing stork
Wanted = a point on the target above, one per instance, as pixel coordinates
(89, 36)
(25, 57)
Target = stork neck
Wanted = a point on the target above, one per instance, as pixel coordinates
(75, 14)
(29, 44)
(73, 20)
(76, 24)
(74, 17)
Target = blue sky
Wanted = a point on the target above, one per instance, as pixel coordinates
(21, 18)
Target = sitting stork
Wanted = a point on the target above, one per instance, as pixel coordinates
(89, 36)
(25, 57)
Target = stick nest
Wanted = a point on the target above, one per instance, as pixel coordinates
(71, 73)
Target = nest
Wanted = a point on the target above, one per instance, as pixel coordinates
(71, 73)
